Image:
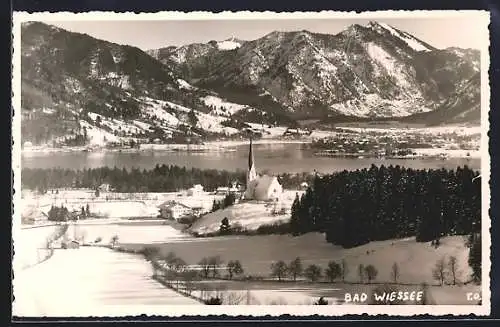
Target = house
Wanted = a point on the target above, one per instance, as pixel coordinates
(195, 190)
(105, 187)
(33, 215)
(223, 190)
(263, 187)
(235, 188)
(73, 244)
(174, 210)
(197, 211)
(304, 185)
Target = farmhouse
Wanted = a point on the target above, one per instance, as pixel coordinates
(105, 187)
(73, 244)
(222, 190)
(263, 187)
(174, 210)
(196, 190)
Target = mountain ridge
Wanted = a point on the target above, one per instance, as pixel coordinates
(371, 63)
(215, 88)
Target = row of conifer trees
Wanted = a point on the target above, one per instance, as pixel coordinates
(355, 207)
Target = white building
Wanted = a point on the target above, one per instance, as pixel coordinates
(105, 187)
(263, 187)
(196, 190)
(235, 188)
(174, 210)
(222, 190)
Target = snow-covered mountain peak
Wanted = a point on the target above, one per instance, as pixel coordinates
(229, 44)
(410, 40)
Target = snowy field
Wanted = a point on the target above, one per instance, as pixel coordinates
(131, 233)
(30, 245)
(110, 204)
(120, 284)
(256, 253)
(280, 296)
(91, 282)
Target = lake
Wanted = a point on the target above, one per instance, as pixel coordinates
(275, 158)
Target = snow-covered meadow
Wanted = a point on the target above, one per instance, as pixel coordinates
(112, 204)
(30, 245)
(103, 282)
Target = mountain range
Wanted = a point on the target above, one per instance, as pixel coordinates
(72, 81)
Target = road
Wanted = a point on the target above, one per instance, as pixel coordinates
(91, 282)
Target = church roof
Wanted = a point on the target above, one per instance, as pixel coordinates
(263, 182)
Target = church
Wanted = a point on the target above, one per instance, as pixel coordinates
(261, 187)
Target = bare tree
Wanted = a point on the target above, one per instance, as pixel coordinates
(333, 271)
(361, 273)
(313, 273)
(179, 265)
(395, 272)
(234, 268)
(344, 270)
(452, 268)
(114, 240)
(189, 277)
(439, 271)
(295, 268)
(151, 252)
(170, 260)
(214, 264)
(205, 267)
(371, 273)
(279, 269)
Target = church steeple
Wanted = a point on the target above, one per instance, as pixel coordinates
(251, 174)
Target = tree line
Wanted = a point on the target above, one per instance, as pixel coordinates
(355, 207)
(63, 214)
(161, 178)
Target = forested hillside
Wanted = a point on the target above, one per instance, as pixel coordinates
(354, 208)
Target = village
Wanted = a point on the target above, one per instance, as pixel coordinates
(396, 143)
(260, 202)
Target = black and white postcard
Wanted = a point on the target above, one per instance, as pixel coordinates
(251, 163)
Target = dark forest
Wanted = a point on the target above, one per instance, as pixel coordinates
(354, 208)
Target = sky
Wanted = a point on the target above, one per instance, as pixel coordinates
(442, 32)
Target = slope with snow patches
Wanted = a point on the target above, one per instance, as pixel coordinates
(221, 106)
(98, 136)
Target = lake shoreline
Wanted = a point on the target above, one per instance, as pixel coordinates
(206, 146)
